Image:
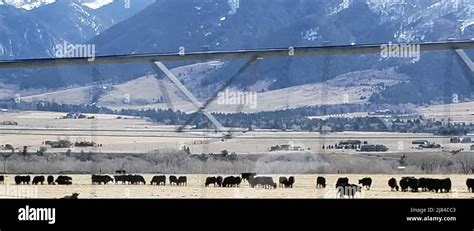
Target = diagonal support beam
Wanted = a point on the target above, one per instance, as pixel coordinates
(466, 60)
(223, 87)
(190, 96)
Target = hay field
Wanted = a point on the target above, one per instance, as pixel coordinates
(137, 135)
(303, 188)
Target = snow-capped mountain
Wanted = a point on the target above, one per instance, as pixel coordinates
(21, 36)
(78, 22)
(26, 4)
(167, 25)
(33, 4)
(56, 21)
(421, 20)
(215, 25)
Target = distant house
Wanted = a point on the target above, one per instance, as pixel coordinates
(326, 129)
(74, 115)
(285, 147)
(466, 140)
(455, 140)
(59, 143)
(373, 148)
(8, 122)
(458, 139)
(430, 145)
(349, 144)
(420, 142)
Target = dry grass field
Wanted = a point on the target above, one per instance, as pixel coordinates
(137, 135)
(456, 112)
(303, 188)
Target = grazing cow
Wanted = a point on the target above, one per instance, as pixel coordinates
(286, 182)
(231, 181)
(434, 185)
(182, 180)
(393, 184)
(470, 185)
(349, 190)
(445, 185)
(214, 181)
(120, 172)
(158, 180)
(262, 181)
(2, 179)
(64, 180)
(291, 181)
(22, 179)
(137, 179)
(321, 182)
(282, 181)
(247, 175)
(409, 183)
(38, 180)
(219, 181)
(120, 178)
(173, 180)
(342, 181)
(73, 196)
(50, 180)
(366, 182)
(425, 184)
(101, 179)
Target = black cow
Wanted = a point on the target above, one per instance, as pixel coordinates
(320, 182)
(120, 178)
(158, 180)
(120, 172)
(342, 181)
(262, 181)
(210, 180)
(182, 180)
(470, 185)
(214, 181)
(50, 180)
(366, 182)
(219, 181)
(445, 185)
(282, 181)
(425, 184)
(286, 182)
(136, 179)
(2, 179)
(73, 196)
(247, 175)
(64, 180)
(349, 190)
(291, 181)
(393, 184)
(434, 185)
(409, 183)
(173, 180)
(231, 181)
(22, 179)
(38, 180)
(101, 179)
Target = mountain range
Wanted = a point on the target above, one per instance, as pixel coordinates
(196, 25)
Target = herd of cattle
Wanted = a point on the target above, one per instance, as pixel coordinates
(26, 179)
(344, 188)
(425, 184)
